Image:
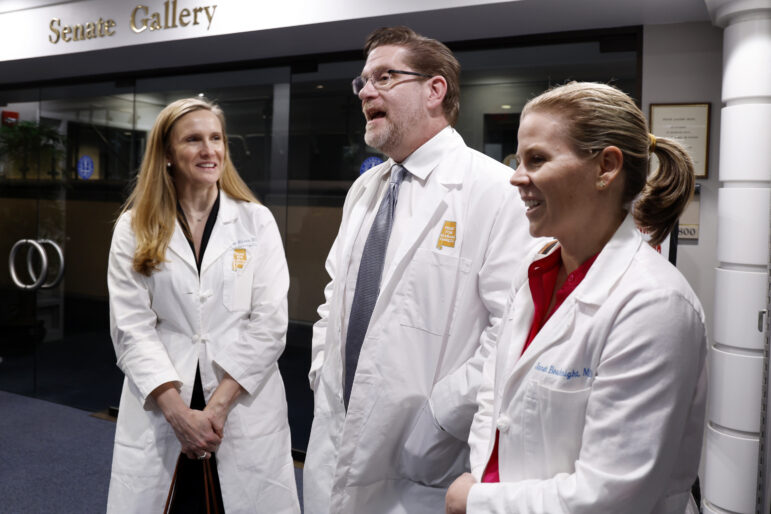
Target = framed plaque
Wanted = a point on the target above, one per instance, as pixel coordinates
(688, 124)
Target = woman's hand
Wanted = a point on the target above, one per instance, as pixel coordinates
(193, 428)
(220, 402)
(195, 432)
(457, 494)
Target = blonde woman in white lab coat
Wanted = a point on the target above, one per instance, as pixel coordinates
(594, 401)
(198, 282)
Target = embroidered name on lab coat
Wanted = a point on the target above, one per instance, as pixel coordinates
(447, 237)
(567, 374)
(239, 259)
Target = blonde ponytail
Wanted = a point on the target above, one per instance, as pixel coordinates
(667, 191)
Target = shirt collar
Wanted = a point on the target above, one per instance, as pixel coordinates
(422, 161)
(544, 271)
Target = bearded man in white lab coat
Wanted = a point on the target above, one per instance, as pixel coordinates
(396, 366)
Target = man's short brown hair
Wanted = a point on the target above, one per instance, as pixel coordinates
(427, 56)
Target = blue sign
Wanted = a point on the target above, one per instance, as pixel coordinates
(85, 167)
(370, 162)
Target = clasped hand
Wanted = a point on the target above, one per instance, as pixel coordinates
(197, 431)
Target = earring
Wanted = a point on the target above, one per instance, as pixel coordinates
(601, 184)
(168, 164)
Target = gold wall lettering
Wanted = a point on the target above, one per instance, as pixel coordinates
(142, 19)
(80, 31)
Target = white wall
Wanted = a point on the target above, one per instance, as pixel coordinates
(682, 63)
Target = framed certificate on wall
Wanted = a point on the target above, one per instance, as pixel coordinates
(688, 124)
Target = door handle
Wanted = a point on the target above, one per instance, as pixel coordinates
(59, 274)
(38, 281)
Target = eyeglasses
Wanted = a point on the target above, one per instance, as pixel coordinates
(382, 80)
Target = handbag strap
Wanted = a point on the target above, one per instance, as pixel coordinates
(172, 487)
(211, 495)
(212, 506)
(206, 478)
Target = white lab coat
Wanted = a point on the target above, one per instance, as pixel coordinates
(604, 411)
(230, 321)
(432, 325)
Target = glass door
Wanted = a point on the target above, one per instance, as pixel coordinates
(65, 158)
(31, 234)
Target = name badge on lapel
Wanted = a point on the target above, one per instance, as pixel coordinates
(447, 236)
(239, 259)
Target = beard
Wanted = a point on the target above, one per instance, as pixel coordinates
(391, 134)
(386, 138)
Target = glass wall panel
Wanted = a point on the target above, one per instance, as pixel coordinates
(59, 198)
(327, 149)
(247, 99)
(496, 84)
(297, 139)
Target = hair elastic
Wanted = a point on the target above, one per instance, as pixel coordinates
(652, 145)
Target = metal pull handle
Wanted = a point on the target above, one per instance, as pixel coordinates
(761, 317)
(59, 274)
(38, 281)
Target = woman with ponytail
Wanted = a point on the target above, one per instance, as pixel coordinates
(198, 315)
(594, 400)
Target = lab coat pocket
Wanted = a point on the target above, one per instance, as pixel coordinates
(556, 428)
(430, 290)
(431, 456)
(132, 456)
(237, 282)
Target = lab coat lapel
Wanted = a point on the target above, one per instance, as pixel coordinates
(359, 211)
(513, 332)
(180, 246)
(611, 264)
(223, 233)
(555, 329)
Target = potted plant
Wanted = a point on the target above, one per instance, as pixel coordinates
(23, 144)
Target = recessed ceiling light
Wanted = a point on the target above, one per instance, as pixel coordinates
(319, 86)
(505, 106)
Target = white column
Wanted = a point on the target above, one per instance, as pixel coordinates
(741, 283)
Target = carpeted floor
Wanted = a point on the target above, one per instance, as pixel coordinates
(54, 458)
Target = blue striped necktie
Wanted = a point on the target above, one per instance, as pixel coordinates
(368, 279)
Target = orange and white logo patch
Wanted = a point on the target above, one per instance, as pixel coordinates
(447, 236)
(239, 259)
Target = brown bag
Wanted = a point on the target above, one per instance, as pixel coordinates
(208, 482)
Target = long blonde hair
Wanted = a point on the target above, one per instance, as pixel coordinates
(599, 116)
(153, 201)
